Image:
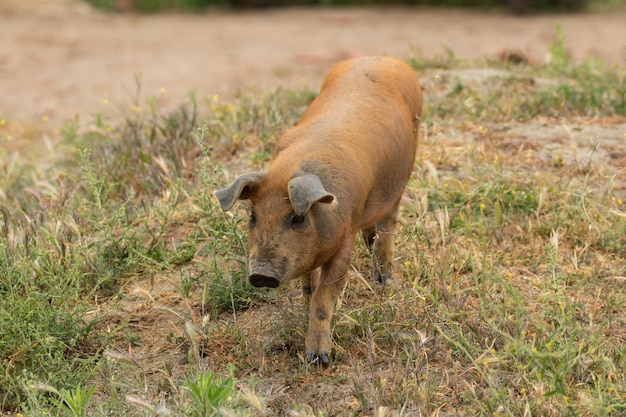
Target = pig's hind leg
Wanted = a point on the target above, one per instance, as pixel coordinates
(309, 281)
(369, 235)
(382, 247)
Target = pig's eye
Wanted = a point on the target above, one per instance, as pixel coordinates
(297, 220)
(252, 219)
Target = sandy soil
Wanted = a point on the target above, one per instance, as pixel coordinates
(60, 58)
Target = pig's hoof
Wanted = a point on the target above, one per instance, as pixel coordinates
(382, 278)
(317, 358)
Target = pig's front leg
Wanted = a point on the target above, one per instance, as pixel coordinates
(323, 302)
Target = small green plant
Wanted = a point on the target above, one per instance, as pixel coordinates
(228, 288)
(210, 392)
(74, 402)
(560, 60)
(71, 402)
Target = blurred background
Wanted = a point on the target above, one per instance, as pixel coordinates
(62, 59)
(151, 6)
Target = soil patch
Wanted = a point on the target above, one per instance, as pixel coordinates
(60, 58)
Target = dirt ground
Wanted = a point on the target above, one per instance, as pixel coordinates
(60, 58)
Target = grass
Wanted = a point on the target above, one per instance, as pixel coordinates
(561, 88)
(123, 286)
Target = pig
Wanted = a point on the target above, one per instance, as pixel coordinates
(340, 171)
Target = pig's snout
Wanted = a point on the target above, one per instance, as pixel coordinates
(262, 276)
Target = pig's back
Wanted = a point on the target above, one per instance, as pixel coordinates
(360, 134)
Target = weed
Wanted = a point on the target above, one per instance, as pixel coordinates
(225, 248)
(209, 393)
(73, 403)
(118, 270)
(590, 89)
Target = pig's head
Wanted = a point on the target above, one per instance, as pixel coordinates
(288, 227)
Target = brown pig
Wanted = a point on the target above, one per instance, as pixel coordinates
(341, 170)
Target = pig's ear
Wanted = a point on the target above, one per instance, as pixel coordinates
(306, 190)
(241, 189)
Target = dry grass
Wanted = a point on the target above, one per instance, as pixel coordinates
(118, 268)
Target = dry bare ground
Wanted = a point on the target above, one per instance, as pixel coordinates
(59, 58)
